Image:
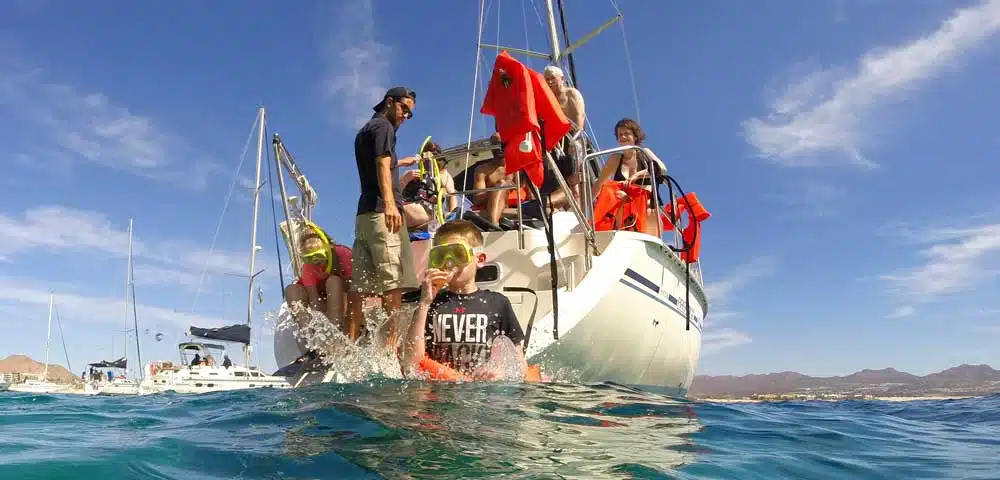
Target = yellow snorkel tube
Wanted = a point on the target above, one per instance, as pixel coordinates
(439, 210)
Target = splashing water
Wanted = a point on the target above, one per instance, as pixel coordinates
(351, 361)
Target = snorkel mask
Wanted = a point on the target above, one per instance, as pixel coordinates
(452, 255)
(319, 256)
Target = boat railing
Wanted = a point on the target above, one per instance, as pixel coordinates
(651, 163)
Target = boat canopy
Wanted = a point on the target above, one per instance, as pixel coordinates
(120, 363)
(238, 333)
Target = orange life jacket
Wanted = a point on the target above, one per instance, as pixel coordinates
(517, 98)
(696, 213)
(608, 209)
(437, 371)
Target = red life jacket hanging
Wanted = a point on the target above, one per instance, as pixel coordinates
(517, 98)
(696, 213)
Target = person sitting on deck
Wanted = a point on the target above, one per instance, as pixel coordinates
(570, 154)
(196, 360)
(631, 167)
(492, 173)
(226, 362)
(420, 201)
(322, 284)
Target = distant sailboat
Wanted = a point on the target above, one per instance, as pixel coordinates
(124, 385)
(208, 376)
(43, 385)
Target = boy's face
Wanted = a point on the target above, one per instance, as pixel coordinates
(456, 255)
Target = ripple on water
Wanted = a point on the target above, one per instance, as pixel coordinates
(400, 429)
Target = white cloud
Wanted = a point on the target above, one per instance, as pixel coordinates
(28, 302)
(357, 64)
(719, 291)
(165, 262)
(61, 124)
(830, 111)
(715, 339)
(812, 198)
(956, 260)
(902, 312)
(713, 342)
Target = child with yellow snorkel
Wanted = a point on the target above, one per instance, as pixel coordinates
(455, 324)
(323, 281)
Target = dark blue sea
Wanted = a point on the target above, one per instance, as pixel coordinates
(415, 430)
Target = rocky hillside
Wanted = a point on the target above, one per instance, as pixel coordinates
(26, 366)
(963, 378)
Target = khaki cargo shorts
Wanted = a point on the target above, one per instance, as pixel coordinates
(382, 261)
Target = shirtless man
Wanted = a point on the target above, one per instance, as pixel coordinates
(574, 108)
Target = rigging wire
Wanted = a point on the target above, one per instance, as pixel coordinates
(628, 59)
(225, 207)
(475, 88)
(274, 216)
(135, 322)
(62, 337)
(524, 20)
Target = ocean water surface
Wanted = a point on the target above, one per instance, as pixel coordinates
(400, 429)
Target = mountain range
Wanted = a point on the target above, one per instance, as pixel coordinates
(963, 379)
(26, 366)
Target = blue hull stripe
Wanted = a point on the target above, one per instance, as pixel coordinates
(694, 323)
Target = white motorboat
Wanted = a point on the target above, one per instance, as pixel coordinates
(192, 376)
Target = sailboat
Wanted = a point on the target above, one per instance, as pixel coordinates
(596, 305)
(43, 385)
(122, 385)
(212, 376)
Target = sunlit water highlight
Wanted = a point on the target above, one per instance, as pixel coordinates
(397, 429)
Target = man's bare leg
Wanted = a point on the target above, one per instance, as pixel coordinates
(391, 302)
(355, 316)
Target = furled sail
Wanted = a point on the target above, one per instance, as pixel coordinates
(239, 333)
(120, 363)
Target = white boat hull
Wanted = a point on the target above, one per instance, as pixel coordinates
(205, 379)
(120, 387)
(625, 320)
(38, 386)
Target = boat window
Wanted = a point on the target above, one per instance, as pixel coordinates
(251, 385)
(211, 385)
(488, 274)
(240, 374)
(197, 384)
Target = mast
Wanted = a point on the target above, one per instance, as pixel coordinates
(253, 228)
(553, 33)
(135, 313)
(128, 281)
(48, 338)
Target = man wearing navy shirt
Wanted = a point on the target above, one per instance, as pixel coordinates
(383, 261)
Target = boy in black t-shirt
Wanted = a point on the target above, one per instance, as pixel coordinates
(457, 326)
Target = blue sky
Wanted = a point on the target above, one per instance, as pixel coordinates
(846, 149)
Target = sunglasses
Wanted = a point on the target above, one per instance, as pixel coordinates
(407, 113)
(451, 255)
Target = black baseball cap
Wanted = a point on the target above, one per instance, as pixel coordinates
(396, 93)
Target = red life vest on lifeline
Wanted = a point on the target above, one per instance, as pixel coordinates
(518, 98)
